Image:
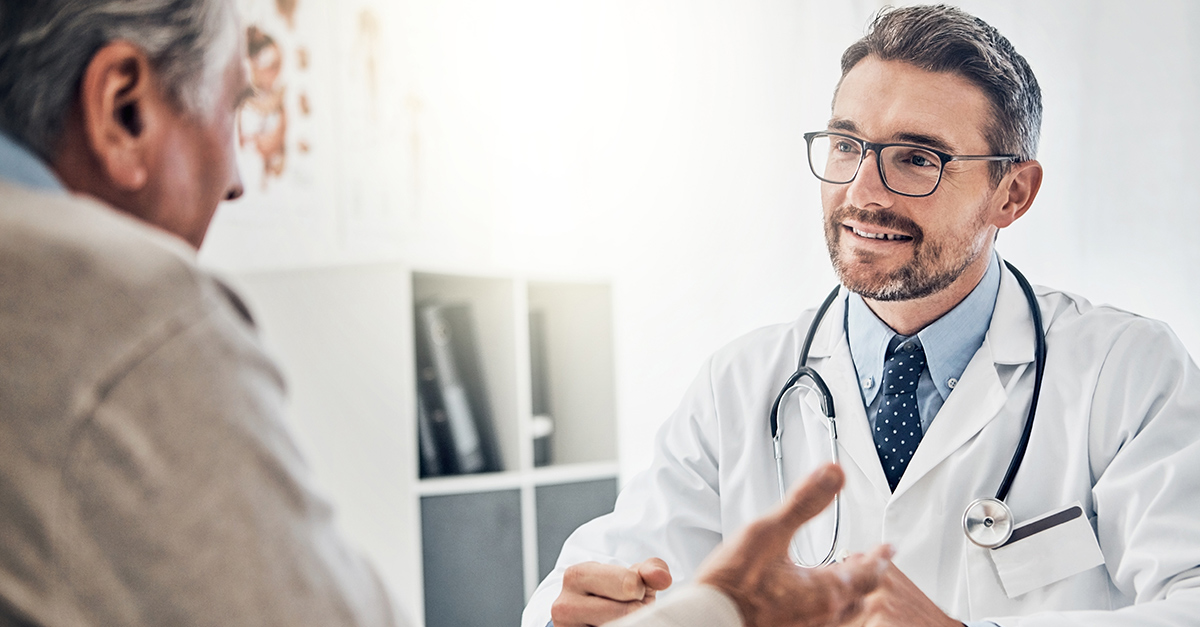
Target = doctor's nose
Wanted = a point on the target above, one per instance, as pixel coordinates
(867, 188)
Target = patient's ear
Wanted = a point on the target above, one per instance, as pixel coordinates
(120, 105)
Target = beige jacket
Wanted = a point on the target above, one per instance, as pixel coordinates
(146, 474)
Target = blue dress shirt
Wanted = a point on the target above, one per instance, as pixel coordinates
(19, 165)
(949, 342)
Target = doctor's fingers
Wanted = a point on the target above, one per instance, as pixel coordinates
(574, 610)
(609, 581)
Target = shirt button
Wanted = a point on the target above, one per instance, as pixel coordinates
(951, 383)
(868, 382)
(910, 347)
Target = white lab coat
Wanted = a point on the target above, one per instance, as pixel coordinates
(1117, 429)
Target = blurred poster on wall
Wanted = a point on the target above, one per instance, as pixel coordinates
(379, 149)
(285, 131)
(326, 144)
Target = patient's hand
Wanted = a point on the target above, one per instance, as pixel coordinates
(753, 567)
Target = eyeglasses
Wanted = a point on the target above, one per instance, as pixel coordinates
(906, 169)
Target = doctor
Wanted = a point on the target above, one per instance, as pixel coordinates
(1107, 499)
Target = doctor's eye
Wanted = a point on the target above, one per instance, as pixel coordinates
(845, 146)
(914, 158)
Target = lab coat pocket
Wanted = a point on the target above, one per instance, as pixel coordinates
(1047, 549)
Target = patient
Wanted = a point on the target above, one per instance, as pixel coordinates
(146, 475)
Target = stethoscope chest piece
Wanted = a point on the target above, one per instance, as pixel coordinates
(988, 522)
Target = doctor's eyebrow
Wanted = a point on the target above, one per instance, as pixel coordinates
(923, 139)
(842, 124)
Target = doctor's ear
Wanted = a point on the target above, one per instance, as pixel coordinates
(119, 100)
(1017, 191)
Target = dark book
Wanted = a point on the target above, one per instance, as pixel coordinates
(427, 438)
(451, 385)
(539, 371)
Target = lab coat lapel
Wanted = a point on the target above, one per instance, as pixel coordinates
(979, 395)
(830, 356)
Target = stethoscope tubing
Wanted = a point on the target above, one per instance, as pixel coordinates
(803, 371)
(1039, 360)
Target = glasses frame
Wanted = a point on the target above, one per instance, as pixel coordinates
(945, 158)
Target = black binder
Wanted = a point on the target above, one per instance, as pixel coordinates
(428, 437)
(451, 387)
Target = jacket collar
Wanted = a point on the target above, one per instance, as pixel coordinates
(1011, 332)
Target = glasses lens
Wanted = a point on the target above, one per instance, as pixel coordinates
(910, 170)
(834, 159)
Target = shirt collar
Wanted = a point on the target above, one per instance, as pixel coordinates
(949, 342)
(19, 165)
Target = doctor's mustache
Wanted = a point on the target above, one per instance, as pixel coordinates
(883, 218)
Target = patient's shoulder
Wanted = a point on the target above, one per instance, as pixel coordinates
(80, 281)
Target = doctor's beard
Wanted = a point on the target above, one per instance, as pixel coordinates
(933, 267)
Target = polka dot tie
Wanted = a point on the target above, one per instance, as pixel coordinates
(897, 422)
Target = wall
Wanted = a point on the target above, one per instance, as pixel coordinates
(658, 143)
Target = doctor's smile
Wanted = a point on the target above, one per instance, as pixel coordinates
(880, 225)
(890, 237)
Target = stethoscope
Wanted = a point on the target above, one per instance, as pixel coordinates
(987, 522)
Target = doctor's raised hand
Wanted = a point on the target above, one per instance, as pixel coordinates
(751, 568)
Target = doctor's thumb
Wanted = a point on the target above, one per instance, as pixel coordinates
(654, 573)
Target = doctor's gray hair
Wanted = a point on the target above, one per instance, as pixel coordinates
(46, 45)
(946, 39)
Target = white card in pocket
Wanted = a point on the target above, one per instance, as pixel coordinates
(1047, 549)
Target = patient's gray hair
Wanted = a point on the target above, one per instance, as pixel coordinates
(45, 46)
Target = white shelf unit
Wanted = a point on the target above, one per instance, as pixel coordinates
(581, 390)
(344, 338)
(579, 355)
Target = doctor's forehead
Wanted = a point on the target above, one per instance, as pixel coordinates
(894, 101)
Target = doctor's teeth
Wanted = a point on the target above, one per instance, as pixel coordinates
(887, 236)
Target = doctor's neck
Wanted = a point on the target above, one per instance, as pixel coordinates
(907, 317)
